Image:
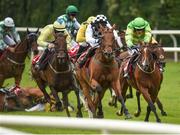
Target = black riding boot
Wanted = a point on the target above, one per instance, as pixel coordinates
(90, 53)
(81, 50)
(126, 72)
(39, 65)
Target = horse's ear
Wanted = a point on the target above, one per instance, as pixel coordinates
(114, 26)
(28, 31)
(101, 28)
(37, 31)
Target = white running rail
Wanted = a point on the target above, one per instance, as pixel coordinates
(104, 125)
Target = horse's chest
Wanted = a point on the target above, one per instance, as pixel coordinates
(104, 76)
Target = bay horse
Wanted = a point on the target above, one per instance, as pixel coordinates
(15, 100)
(146, 78)
(13, 64)
(58, 75)
(101, 73)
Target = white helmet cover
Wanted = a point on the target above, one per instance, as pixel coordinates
(9, 22)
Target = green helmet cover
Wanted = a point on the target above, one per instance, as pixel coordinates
(71, 9)
(139, 23)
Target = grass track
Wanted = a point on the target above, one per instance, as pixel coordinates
(169, 95)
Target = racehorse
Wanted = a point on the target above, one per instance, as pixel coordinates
(14, 100)
(101, 73)
(13, 64)
(146, 77)
(58, 75)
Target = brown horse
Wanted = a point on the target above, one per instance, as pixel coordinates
(12, 64)
(58, 75)
(15, 101)
(146, 78)
(101, 73)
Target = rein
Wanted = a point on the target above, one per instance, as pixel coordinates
(146, 71)
(60, 72)
(14, 62)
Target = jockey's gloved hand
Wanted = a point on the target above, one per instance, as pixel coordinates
(133, 50)
(98, 40)
(50, 45)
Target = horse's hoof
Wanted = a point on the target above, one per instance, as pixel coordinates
(163, 113)
(146, 120)
(137, 113)
(128, 116)
(158, 120)
(129, 96)
(119, 113)
(110, 103)
(100, 115)
(79, 115)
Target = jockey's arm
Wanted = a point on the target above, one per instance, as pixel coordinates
(118, 39)
(89, 37)
(76, 24)
(80, 37)
(68, 40)
(16, 35)
(3, 45)
(129, 37)
(43, 38)
(148, 34)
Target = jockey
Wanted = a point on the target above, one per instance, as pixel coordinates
(138, 32)
(80, 38)
(8, 35)
(46, 39)
(69, 19)
(93, 36)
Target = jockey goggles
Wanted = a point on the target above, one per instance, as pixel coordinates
(73, 14)
(139, 29)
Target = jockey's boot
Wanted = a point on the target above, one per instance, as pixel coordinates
(90, 53)
(81, 50)
(38, 65)
(126, 68)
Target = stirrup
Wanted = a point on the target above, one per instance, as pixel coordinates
(37, 67)
(126, 75)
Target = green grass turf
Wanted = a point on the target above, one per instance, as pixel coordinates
(169, 95)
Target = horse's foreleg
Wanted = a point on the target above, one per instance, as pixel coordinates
(58, 102)
(130, 95)
(148, 113)
(77, 92)
(65, 102)
(79, 112)
(150, 104)
(91, 107)
(160, 106)
(137, 113)
(100, 113)
(116, 87)
(1, 80)
(42, 86)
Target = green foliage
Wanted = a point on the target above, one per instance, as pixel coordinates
(162, 14)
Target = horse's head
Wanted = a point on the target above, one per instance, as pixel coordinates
(147, 57)
(61, 48)
(158, 52)
(32, 40)
(108, 42)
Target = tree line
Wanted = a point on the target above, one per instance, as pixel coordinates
(162, 14)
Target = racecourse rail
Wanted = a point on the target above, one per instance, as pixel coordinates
(171, 33)
(104, 125)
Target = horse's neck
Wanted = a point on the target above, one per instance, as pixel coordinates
(20, 52)
(22, 46)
